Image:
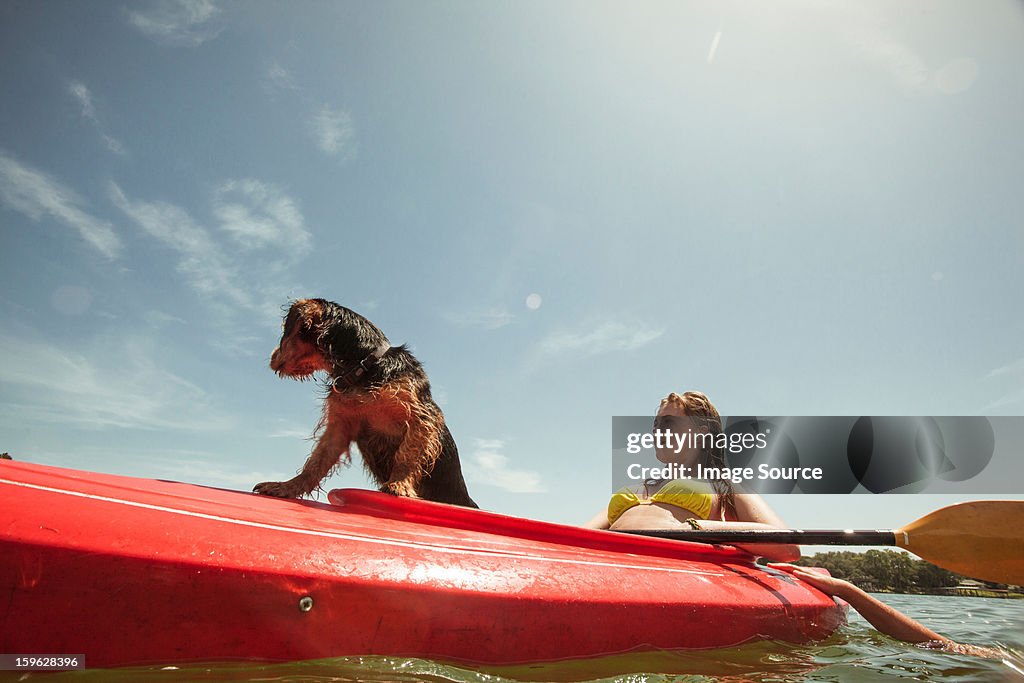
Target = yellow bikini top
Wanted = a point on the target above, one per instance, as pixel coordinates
(693, 495)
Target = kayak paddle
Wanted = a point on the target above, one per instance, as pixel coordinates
(981, 539)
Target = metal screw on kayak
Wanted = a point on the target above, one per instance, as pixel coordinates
(305, 604)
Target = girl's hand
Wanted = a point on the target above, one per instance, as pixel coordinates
(826, 584)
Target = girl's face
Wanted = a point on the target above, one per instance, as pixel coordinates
(676, 443)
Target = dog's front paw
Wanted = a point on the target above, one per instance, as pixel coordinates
(400, 488)
(278, 489)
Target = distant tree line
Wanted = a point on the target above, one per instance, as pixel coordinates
(887, 571)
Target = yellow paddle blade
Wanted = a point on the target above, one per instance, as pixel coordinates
(982, 539)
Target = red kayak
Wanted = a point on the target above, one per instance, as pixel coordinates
(133, 571)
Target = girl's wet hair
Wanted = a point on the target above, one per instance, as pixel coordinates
(697, 405)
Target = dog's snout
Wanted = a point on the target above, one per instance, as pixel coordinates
(275, 359)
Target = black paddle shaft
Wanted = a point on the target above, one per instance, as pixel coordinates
(794, 536)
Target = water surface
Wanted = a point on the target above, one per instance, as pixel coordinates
(855, 653)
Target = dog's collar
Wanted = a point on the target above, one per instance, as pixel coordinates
(355, 373)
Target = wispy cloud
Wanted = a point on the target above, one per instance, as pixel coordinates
(1014, 368)
(1007, 377)
(332, 129)
(226, 279)
(279, 77)
(158, 320)
(601, 338)
(486, 465)
(201, 260)
(38, 195)
(112, 385)
(84, 98)
(257, 215)
(180, 23)
(208, 469)
(334, 132)
(290, 433)
(483, 318)
(1012, 399)
(282, 428)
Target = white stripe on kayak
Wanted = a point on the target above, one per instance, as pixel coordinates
(348, 537)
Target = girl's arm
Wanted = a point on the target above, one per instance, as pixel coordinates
(752, 512)
(886, 619)
(599, 521)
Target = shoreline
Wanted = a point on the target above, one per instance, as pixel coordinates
(959, 593)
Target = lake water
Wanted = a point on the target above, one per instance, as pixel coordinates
(855, 653)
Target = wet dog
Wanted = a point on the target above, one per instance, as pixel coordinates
(378, 397)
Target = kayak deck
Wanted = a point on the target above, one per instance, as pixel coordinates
(134, 571)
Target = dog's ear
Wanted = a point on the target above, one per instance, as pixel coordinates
(305, 314)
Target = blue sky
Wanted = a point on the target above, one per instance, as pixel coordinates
(567, 210)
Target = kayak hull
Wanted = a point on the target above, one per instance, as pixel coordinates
(135, 572)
